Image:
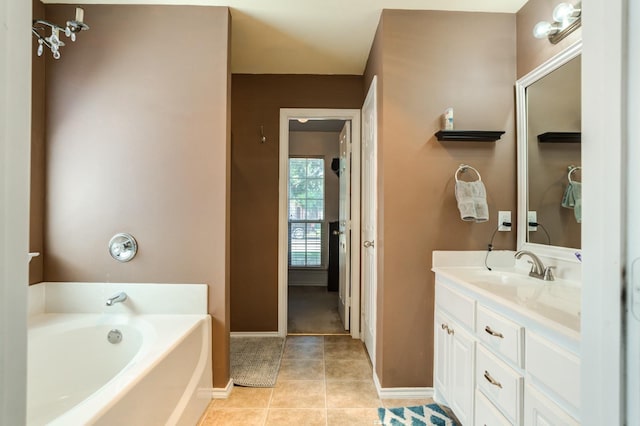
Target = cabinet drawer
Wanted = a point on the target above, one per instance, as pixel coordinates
(541, 411)
(500, 335)
(487, 414)
(459, 306)
(554, 367)
(500, 383)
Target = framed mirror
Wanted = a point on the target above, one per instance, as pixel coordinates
(548, 108)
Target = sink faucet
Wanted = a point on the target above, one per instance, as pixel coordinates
(538, 270)
(118, 298)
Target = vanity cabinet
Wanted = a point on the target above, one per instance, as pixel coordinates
(494, 367)
(455, 355)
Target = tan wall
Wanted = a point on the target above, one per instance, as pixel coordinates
(256, 101)
(532, 51)
(138, 142)
(37, 196)
(426, 67)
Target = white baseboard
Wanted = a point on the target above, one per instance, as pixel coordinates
(401, 393)
(222, 393)
(255, 334)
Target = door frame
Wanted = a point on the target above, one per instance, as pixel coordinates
(287, 114)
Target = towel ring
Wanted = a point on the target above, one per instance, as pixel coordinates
(463, 168)
(572, 169)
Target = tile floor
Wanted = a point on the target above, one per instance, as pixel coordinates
(323, 380)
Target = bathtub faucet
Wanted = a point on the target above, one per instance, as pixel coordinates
(118, 298)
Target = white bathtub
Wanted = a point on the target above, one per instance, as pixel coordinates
(160, 373)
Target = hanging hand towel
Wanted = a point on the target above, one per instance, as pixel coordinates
(471, 198)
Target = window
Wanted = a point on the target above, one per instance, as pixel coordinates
(306, 212)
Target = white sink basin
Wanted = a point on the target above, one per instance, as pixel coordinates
(557, 300)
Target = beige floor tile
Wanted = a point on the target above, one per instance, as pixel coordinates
(301, 369)
(345, 349)
(298, 394)
(304, 340)
(348, 369)
(242, 397)
(235, 417)
(394, 403)
(296, 417)
(352, 417)
(304, 351)
(352, 394)
(340, 339)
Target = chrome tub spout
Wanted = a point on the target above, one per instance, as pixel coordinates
(118, 298)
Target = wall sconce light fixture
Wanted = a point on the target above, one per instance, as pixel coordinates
(53, 41)
(566, 19)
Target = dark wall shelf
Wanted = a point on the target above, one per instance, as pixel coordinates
(560, 137)
(469, 135)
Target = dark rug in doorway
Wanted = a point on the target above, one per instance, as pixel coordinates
(255, 361)
(420, 415)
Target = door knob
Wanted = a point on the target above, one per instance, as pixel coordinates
(368, 244)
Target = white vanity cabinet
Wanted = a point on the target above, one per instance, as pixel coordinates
(495, 365)
(455, 353)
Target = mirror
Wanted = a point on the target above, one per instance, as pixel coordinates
(549, 156)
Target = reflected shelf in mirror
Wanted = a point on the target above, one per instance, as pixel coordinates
(560, 137)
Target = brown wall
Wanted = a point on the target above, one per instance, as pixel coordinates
(426, 67)
(256, 101)
(138, 142)
(36, 207)
(532, 51)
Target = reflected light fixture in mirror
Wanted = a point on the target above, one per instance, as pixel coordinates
(566, 19)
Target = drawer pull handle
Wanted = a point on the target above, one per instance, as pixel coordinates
(444, 326)
(493, 333)
(491, 379)
(450, 331)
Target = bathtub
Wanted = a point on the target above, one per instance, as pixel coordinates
(158, 373)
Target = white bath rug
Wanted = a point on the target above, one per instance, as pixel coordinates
(255, 361)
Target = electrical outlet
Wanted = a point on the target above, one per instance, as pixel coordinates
(504, 216)
(532, 216)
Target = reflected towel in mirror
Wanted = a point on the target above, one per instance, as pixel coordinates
(572, 199)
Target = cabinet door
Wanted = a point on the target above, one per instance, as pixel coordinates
(461, 370)
(440, 368)
(542, 411)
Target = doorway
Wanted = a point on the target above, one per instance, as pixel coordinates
(318, 252)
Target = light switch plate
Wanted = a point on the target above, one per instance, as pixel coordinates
(504, 216)
(532, 216)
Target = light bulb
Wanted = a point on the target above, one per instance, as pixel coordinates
(79, 14)
(67, 32)
(544, 29)
(56, 55)
(73, 36)
(564, 12)
(40, 48)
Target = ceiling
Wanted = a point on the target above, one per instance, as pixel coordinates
(310, 36)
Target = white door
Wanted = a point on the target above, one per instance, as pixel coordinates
(344, 253)
(369, 216)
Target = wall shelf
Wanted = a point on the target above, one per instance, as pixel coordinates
(560, 137)
(469, 135)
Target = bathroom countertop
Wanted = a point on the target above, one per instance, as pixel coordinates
(553, 306)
